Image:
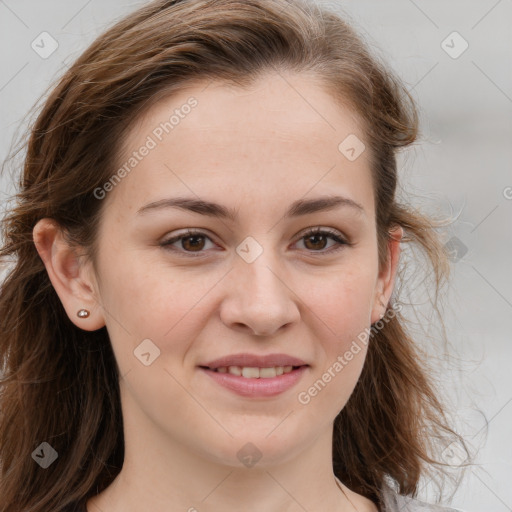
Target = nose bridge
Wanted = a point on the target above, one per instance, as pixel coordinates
(260, 299)
(258, 267)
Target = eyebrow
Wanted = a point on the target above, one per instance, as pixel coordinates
(210, 209)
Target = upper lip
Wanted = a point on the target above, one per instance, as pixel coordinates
(253, 360)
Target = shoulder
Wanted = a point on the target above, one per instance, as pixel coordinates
(394, 502)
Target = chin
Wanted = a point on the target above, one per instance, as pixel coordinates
(253, 448)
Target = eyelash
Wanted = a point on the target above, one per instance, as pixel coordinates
(315, 231)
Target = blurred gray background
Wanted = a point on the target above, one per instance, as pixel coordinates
(456, 59)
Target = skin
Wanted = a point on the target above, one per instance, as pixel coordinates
(256, 150)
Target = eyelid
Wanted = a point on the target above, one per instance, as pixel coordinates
(340, 239)
(166, 243)
(320, 229)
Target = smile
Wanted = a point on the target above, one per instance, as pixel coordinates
(253, 372)
(256, 382)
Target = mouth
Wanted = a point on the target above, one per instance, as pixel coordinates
(254, 372)
(256, 382)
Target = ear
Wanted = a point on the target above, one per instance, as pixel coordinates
(73, 280)
(386, 278)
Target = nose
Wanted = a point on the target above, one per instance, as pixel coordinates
(260, 301)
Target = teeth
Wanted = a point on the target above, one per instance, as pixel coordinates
(251, 372)
(265, 373)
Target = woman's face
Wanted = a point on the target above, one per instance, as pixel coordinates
(252, 282)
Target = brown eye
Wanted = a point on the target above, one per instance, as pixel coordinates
(316, 240)
(193, 242)
(190, 242)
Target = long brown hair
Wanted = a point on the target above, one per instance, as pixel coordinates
(60, 383)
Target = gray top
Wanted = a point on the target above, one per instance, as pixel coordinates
(394, 502)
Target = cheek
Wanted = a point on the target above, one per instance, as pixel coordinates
(343, 307)
(342, 302)
(165, 306)
(147, 294)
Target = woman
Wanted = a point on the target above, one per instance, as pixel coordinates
(202, 315)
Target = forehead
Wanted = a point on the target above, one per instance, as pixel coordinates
(294, 104)
(282, 133)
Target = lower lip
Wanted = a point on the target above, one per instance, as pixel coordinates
(257, 387)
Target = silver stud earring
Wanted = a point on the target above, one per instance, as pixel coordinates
(83, 313)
